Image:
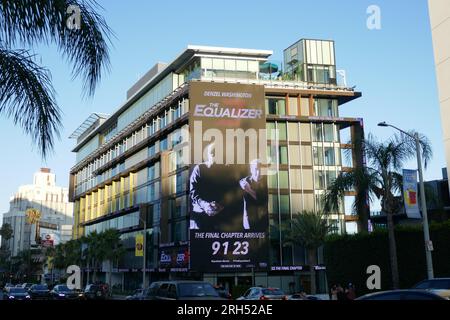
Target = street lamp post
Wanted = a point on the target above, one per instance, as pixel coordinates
(426, 231)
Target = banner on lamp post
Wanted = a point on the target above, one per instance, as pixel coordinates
(410, 194)
(139, 252)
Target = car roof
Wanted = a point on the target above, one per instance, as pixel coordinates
(421, 291)
(181, 281)
(435, 279)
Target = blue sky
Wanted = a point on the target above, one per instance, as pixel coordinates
(392, 67)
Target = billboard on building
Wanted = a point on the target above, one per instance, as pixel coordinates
(227, 184)
(49, 237)
(410, 194)
(174, 258)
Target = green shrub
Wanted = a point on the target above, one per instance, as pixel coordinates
(348, 256)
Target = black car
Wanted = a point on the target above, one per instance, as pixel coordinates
(94, 292)
(39, 291)
(16, 294)
(402, 295)
(181, 290)
(62, 292)
(27, 285)
(434, 284)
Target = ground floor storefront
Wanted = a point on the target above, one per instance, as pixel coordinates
(235, 282)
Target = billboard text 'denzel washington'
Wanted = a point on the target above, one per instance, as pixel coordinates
(227, 190)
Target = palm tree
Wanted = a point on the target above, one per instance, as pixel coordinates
(112, 249)
(94, 252)
(6, 231)
(308, 229)
(380, 179)
(26, 91)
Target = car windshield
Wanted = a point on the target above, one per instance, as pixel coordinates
(64, 289)
(39, 287)
(434, 284)
(17, 290)
(274, 292)
(197, 290)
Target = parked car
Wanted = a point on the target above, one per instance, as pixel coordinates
(8, 285)
(137, 295)
(181, 290)
(440, 286)
(224, 293)
(27, 285)
(302, 296)
(16, 294)
(39, 291)
(62, 292)
(94, 292)
(402, 295)
(261, 293)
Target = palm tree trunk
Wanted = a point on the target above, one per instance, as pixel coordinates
(312, 259)
(392, 251)
(94, 274)
(363, 216)
(110, 275)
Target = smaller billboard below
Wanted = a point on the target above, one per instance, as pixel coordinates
(174, 258)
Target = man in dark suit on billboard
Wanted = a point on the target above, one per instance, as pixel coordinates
(216, 198)
(255, 198)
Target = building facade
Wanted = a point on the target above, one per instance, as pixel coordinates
(56, 214)
(137, 164)
(439, 11)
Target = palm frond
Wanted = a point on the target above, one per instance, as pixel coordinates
(336, 191)
(27, 96)
(32, 21)
(425, 146)
(308, 229)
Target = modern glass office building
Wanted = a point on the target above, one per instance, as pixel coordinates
(135, 164)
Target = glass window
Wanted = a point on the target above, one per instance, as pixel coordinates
(293, 106)
(283, 155)
(317, 131)
(282, 131)
(163, 144)
(270, 130)
(230, 65)
(276, 106)
(284, 204)
(272, 181)
(304, 106)
(293, 131)
(296, 203)
(318, 156)
(306, 155)
(305, 131)
(331, 176)
(325, 107)
(241, 65)
(295, 176)
(294, 155)
(273, 204)
(329, 156)
(320, 180)
(218, 64)
(328, 132)
(206, 63)
(284, 180)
